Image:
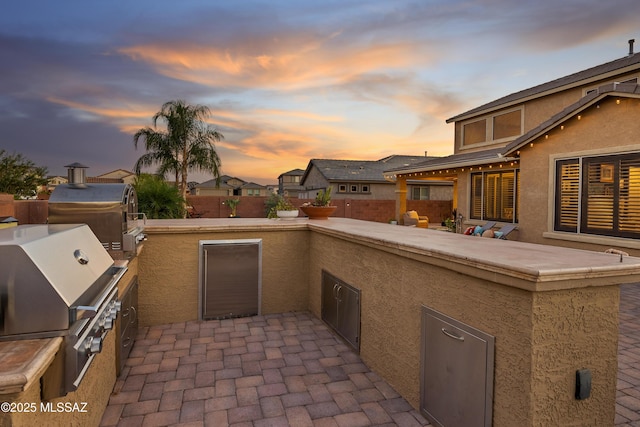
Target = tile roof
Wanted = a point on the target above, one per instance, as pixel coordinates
(631, 62)
(252, 185)
(212, 183)
(360, 170)
(455, 160)
(294, 172)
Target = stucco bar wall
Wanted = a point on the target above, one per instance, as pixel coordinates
(552, 310)
(168, 266)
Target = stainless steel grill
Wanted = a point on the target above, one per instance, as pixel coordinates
(58, 280)
(111, 210)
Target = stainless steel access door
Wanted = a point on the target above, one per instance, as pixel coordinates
(230, 278)
(457, 372)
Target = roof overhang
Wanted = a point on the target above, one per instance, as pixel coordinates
(450, 165)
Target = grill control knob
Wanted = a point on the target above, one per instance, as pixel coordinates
(94, 345)
(117, 305)
(108, 323)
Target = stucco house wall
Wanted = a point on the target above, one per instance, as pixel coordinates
(611, 128)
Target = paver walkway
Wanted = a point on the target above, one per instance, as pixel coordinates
(628, 397)
(276, 370)
(289, 369)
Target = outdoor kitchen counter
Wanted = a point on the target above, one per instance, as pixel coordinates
(552, 310)
(522, 265)
(23, 362)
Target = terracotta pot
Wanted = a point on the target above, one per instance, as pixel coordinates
(318, 212)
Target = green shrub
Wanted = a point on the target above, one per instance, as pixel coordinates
(157, 198)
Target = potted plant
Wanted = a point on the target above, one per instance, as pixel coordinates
(283, 209)
(321, 207)
(233, 205)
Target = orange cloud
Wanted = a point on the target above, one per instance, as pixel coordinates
(126, 111)
(318, 61)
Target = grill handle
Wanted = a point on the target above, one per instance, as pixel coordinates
(89, 311)
(137, 214)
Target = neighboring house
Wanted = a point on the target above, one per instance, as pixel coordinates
(214, 187)
(364, 179)
(562, 160)
(52, 182)
(289, 183)
(253, 189)
(120, 175)
(229, 186)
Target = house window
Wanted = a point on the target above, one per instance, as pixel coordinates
(599, 195)
(421, 193)
(365, 188)
(494, 196)
(507, 125)
(354, 188)
(493, 128)
(474, 132)
(342, 188)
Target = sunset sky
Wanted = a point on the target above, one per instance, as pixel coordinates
(286, 81)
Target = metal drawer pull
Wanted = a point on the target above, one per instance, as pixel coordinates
(450, 335)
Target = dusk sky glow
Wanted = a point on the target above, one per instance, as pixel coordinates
(286, 81)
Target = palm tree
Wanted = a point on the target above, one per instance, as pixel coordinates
(187, 144)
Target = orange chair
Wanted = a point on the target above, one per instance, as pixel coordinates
(412, 218)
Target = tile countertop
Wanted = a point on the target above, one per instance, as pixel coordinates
(24, 361)
(528, 266)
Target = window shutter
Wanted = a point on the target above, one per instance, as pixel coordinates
(599, 176)
(476, 196)
(629, 204)
(567, 195)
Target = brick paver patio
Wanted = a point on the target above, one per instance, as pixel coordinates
(628, 397)
(290, 370)
(276, 370)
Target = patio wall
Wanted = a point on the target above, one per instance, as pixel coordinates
(542, 338)
(546, 327)
(36, 211)
(168, 272)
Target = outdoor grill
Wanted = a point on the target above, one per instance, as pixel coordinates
(111, 210)
(58, 280)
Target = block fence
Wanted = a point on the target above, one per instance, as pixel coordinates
(36, 211)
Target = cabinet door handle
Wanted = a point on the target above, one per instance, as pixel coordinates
(335, 292)
(135, 315)
(338, 293)
(451, 335)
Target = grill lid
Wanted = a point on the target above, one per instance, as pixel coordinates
(101, 193)
(45, 270)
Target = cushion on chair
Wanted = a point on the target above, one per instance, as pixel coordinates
(412, 218)
(412, 214)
